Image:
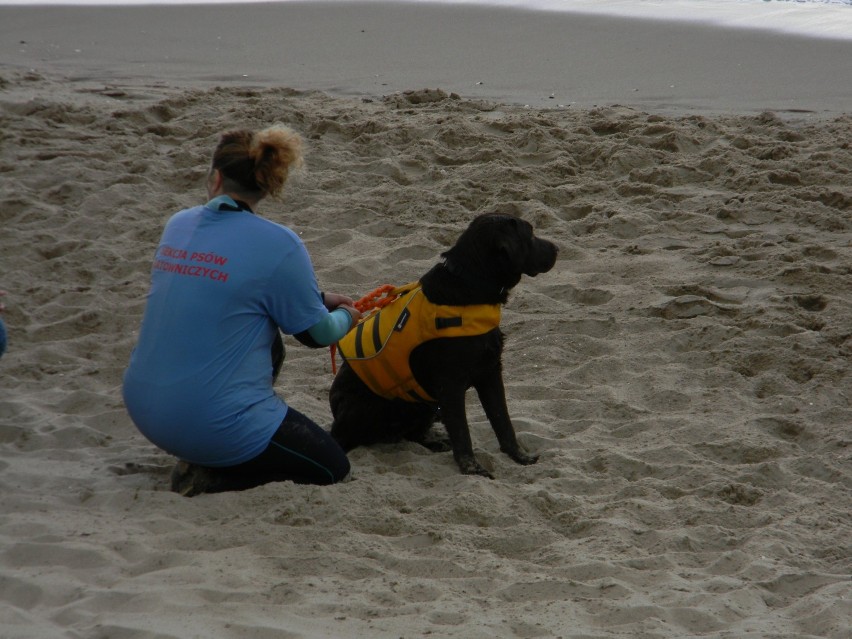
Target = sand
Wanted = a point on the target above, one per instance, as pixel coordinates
(683, 371)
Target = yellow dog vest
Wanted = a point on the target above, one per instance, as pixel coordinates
(379, 347)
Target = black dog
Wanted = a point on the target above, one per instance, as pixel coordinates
(477, 273)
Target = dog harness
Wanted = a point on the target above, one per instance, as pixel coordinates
(378, 349)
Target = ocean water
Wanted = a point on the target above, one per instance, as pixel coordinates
(815, 18)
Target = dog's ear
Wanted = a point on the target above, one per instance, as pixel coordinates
(511, 254)
(513, 246)
(522, 253)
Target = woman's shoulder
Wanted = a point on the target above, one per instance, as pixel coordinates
(186, 214)
(274, 228)
(263, 233)
(249, 225)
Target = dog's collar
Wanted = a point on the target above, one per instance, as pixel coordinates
(473, 280)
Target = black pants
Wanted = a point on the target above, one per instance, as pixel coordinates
(300, 451)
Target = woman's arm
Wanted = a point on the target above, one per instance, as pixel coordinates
(331, 328)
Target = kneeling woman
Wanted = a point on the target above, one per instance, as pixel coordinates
(224, 282)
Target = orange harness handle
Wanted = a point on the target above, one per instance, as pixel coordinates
(375, 299)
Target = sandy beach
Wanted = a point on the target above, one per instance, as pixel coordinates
(683, 371)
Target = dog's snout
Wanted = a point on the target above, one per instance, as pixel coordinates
(542, 257)
(554, 249)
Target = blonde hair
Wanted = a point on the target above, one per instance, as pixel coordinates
(258, 163)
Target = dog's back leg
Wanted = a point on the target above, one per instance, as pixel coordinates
(362, 418)
(351, 408)
(423, 429)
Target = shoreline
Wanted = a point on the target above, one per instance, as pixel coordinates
(810, 18)
(509, 56)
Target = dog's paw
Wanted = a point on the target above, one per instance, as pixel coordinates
(522, 457)
(472, 467)
(435, 441)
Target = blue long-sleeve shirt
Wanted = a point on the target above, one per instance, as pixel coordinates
(199, 383)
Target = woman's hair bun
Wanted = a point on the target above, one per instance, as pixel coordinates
(275, 150)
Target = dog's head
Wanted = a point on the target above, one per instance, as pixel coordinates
(500, 248)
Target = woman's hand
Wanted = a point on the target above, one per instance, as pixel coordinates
(354, 312)
(333, 300)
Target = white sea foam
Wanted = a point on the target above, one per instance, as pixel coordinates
(815, 18)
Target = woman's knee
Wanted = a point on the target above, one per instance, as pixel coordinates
(342, 470)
